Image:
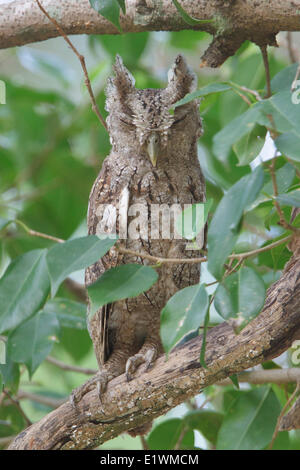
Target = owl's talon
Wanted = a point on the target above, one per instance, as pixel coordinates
(79, 392)
(100, 380)
(128, 377)
(147, 358)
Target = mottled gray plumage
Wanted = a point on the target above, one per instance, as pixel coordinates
(153, 161)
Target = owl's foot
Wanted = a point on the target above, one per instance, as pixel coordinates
(99, 380)
(147, 355)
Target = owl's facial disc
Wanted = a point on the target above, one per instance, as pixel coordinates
(153, 147)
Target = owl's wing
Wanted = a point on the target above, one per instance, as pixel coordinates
(102, 218)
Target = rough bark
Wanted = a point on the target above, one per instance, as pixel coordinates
(127, 405)
(22, 22)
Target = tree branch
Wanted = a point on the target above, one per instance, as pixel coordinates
(127, 405)
(21, 22)
(63, 366)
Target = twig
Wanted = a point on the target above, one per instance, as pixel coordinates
(48, 401)
(211, 283)
(144, 443)
(252, 92)
(283, 411)
(180, 438)
(259, 377)
(207, 400)
(18, 406)
(82, 62)
(235, 267)
(244, 98)
(290, 48)
(159, 260)
(264, 53)
(293, 163)
(282, 220)
(247, 254)
(64, 366)
(248, 90)
(34, 233)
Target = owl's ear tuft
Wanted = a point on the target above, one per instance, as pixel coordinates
(123, 80)
(181, 80)
(119, 87)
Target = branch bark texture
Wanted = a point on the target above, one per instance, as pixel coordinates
(22, 22)
(127, 405)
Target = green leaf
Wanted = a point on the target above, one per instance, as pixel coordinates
(121, 282)
(241, 295)
(184, 312)
(70, 314)
(249, 146)
(73, 255)
(122, 5)
(129, 46)
(290, 199)
(283, 80)
(187, 18)
(14, 420)
(186, 39)
(235, 380)
(224, 227)
(277, 257)
(109, 9)
(284, 178)
(10, 374)
(206, 90)
(250, 421)
(236, 130)
(289, 144)
(77, 343)
(32, 341)
(166, 435)
(24, 288)
(285, 114)
(282, 442)
(286, 118)
(206, 421)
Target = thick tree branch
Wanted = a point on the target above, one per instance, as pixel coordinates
(127, 405)
(22, 22)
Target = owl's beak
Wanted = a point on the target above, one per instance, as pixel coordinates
(153, 147)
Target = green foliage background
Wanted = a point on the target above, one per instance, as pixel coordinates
(51, 149)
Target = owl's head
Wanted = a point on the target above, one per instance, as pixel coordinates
(142, 118)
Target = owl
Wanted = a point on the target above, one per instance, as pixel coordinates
(152, 167)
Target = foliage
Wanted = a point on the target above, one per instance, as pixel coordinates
(51, 148)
